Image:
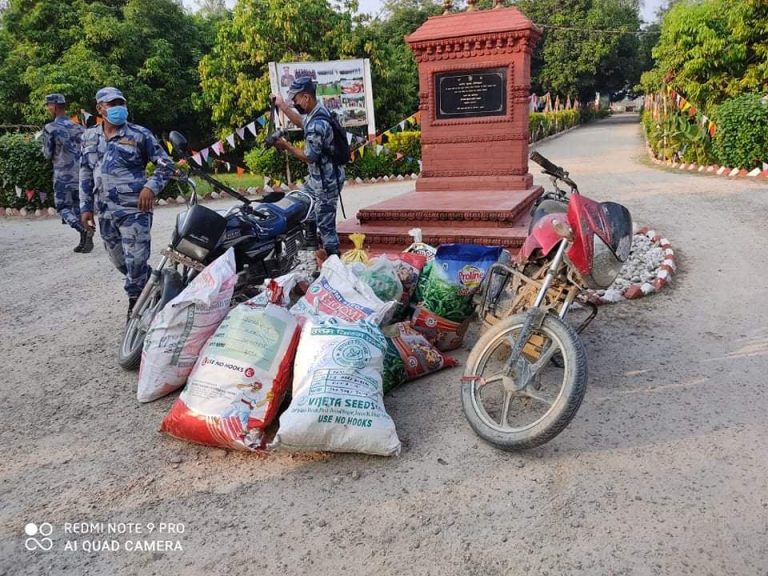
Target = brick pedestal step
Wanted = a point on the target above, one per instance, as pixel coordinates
(490, 218)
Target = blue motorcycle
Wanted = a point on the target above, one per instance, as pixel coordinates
(266, 235)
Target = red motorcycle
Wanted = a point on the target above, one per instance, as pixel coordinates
(527, 374)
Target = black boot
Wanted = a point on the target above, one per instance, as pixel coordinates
(79, 247)
(131, 304)
(88, 242)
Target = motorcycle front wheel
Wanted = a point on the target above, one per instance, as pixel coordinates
(169, 286)
(524, 412)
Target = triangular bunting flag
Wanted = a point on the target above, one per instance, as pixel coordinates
(210, 161)
(218, 148)
(204, 154)
(401, 125)
(241, 133)
(85, 114)
(240, 171)
(267, 180)
(417, 117)
(229, 167)
(19, 191)
(261, 120)
(30, 194)
(409, 120)
(169, 146)
(349, 138)
(43, 196)
(399, 155)
(231, 140)
(196, 158)
(379, 148)
(252, 128)
(361, 151)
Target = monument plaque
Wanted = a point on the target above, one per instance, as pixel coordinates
(474, 90)
(471, 94)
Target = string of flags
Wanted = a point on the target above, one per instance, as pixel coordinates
(655, 102)
(547, 104)
(359, 144)
(212, 155)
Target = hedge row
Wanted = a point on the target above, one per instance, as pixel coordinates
(740, 141)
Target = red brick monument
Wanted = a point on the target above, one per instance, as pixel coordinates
(474, 85)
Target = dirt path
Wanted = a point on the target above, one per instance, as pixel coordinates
(661, 472)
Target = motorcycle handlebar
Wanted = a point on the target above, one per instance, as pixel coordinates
(547, 165)
(551, 168)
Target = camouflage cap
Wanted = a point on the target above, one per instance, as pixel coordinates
(109, 93)
(55, 98)
(303, 84)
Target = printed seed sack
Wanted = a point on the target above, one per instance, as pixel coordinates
(409, 356)
(180, 330)
(456, 275)
(337, 400)
(445, 334)
(338, 293)
(239, 381)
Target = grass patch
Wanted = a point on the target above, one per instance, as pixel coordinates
(231, 180)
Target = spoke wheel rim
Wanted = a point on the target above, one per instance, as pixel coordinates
(137, 327)
(477, 385)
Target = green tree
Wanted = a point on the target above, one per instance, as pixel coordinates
(587, 45)
(393, 69)
(235, 75)
(711, 50)
(148, 48)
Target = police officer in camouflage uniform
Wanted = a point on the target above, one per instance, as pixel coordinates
(325, 179)
(61, 143)
(114, 184)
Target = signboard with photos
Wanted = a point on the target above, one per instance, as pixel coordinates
(343, 86)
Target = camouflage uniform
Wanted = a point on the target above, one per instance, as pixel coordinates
(112, 174)
(61, 143)
(325, 180)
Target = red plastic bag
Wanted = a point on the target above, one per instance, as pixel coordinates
(444, 334)
(410, 356)
(408, 267)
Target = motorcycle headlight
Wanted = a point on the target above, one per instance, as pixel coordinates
(192, 250)
(605, 265)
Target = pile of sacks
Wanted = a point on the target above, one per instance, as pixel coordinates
(335, 346)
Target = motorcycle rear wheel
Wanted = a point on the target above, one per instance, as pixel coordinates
(515, 419)
(129, 354)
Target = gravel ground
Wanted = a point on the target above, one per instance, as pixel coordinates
(661, 472)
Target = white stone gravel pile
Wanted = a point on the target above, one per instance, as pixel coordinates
(644, 261)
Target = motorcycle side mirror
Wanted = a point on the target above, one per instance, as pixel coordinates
(179, 142)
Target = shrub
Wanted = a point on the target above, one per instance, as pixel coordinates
(407, 143)
(22, 164)
(271, 162)
(741, 139)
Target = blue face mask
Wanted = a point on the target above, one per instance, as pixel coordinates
(117, 115)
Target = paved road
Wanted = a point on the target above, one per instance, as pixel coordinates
(661, 472)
